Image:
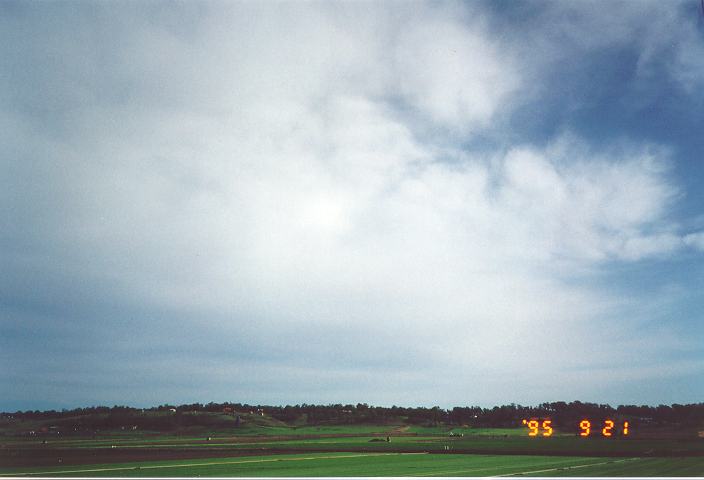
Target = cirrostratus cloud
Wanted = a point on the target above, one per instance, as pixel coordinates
(288, 181)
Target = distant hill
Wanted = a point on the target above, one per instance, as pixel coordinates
(247, 419)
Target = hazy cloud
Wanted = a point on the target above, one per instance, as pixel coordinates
(280, 198)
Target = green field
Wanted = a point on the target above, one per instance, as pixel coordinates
(479, 443)
(385, 464)
(357, 450)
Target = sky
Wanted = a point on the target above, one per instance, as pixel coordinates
(394, 203)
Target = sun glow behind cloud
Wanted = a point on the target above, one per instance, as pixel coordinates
(281, 198)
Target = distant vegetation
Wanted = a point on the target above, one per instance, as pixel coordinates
(219, 416)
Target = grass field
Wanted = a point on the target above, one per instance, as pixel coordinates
(360, 450)
(384, 464)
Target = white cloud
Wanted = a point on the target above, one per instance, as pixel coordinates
(266, 177)
(453, 74)
(575, 204)
(695, 240)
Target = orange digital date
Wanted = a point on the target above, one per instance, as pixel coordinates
(533, 426)
(585, 427)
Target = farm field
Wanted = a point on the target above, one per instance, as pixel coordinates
(382, 464)
(361, 450)
(74, 449)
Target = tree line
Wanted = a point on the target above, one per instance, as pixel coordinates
(563, 415)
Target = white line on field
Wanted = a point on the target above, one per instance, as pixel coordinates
(565, 468)
(194, 464)
(465, 470)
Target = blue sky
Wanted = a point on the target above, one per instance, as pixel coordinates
(393, 203)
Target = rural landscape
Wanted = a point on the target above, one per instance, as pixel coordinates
(378, 238)
(354, 440)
